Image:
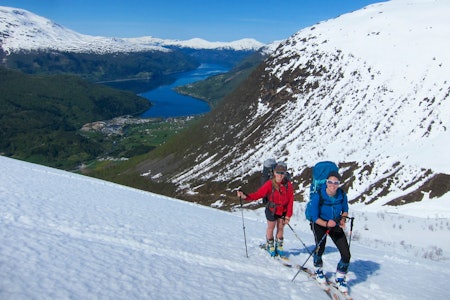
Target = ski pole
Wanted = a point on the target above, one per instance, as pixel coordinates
(311, 253)
(243, 227)
(299, 238)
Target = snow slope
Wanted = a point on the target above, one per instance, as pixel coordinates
(66, 236)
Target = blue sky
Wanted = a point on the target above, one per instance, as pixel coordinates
(225, 20)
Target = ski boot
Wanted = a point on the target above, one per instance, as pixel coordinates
(279, 248)
(320, 277)
(270, 247)
(341, 283)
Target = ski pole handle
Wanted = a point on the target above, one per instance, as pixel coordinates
(351, 231)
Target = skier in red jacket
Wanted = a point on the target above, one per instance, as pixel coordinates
(279, 208)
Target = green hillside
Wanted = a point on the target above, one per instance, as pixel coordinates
(136, 71)
(40, 116)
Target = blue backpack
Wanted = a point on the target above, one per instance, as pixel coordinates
(319, 177)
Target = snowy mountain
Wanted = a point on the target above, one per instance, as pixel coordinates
(66, 236)
(370, 87)
(23, 30)
(369, 90)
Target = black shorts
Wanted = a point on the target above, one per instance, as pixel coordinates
(270, 216)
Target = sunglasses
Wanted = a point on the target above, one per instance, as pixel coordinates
(333, 182)
(281, 173)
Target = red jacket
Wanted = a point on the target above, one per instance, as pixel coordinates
(283, 198)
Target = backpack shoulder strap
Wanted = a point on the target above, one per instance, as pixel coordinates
(319, 192)
(270, 202)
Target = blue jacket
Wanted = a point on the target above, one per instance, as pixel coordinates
(332, 207)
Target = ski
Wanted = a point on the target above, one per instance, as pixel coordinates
(334, 290)
(284, 260)
(342, 295)
(312, 276)
(329, 287)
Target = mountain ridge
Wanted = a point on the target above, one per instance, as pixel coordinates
(22, 30)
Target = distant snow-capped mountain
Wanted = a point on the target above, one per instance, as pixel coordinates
(23, 30)
(369, 89)
(197, 43)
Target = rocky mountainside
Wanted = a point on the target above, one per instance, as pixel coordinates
(369, 90)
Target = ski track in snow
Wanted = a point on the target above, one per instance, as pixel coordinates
(66, 236)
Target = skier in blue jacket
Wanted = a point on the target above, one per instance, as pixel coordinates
(331, 215)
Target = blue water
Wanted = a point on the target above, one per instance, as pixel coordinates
(168, 103)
